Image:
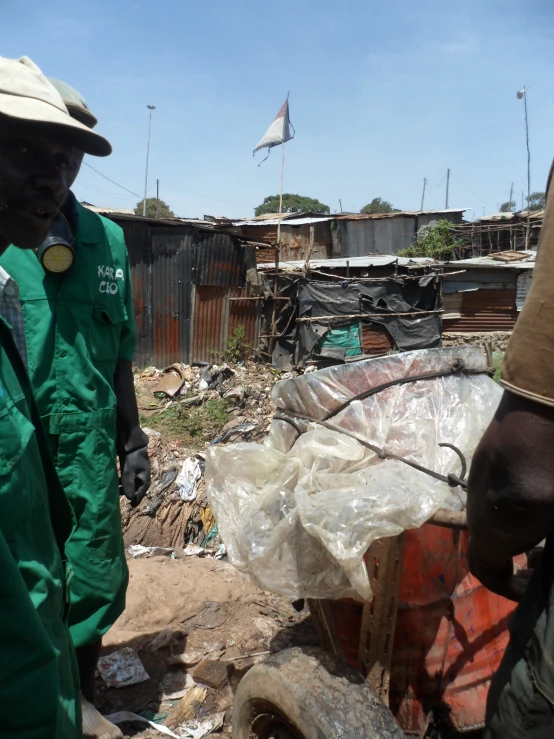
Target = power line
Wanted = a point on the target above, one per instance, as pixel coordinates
(440, 183)
(97, 189)
(113, 182)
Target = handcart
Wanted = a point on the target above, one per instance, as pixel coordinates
(415, 661)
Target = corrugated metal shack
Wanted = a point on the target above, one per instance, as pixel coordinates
(192, 287)
(302, 236)
(334, 309)
(312, 236)
(485, 294)
(385, 233)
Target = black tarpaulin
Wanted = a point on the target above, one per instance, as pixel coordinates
(370, 302)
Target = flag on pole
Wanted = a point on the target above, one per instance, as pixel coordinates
(279, 131)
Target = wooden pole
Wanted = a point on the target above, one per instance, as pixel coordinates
(423, 193)
(528, 172)
(277, 252)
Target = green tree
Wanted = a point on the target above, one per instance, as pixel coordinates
(536, 201)
(508, 207)
(436, 242)
(291, 204)
(378, 205)
(155, 208)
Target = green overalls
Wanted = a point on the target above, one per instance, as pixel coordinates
(521, 698)
(39, 683)
(77, 325)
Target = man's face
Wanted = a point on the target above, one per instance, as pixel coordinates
(73, 171)
(37, 168)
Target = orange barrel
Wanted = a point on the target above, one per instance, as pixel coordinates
(450, 633)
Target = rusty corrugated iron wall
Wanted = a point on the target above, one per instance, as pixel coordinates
(478, 300)
(209, 320)
(485, 310)
(183, 280)
(244, 310)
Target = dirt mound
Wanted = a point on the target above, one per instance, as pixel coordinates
(203, 609)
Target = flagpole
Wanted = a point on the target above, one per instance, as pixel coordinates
(281, 194)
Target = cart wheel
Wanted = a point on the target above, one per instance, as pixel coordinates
(309, 693)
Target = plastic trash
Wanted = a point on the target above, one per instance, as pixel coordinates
(187, 479)
(122, 668)
(122, 716)
(298, 513)
(199, 728)
(137, 551)
(233, 433)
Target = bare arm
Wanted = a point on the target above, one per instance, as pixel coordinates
(511, 492)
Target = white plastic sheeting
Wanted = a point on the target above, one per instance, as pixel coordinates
(298, 513)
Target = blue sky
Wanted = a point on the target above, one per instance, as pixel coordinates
(383, 94)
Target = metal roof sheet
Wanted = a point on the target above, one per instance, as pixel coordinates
(490, 263)
(510, 216)
(289, 219)
(110, 211)
(352, 262)
(300, 221)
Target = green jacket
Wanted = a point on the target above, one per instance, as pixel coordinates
(38, 678)
(77, 325)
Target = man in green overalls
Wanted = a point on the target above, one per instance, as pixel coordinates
(511, 510)
(38, 675)
(79, 326)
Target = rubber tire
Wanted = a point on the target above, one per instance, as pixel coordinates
(319, 695)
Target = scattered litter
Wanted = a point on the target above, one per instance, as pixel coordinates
(137, 550)
(167, 479)
(194, 551)
(199, 728)
(186, 659)
(246, 656)
(172, 380)
(122, 716)
(310, 368)
(220, 379)
(149, 373)
(188, 616)
(210, 672)
(235, 432)
(185, 709)
(210, 616)
(175, 685)
(187, 479)
(178, 515)
(161, 641)
(235, 393)
(122, 668)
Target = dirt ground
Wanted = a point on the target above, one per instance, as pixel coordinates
(197, 607)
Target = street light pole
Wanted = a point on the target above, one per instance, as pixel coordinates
(150, 108)
(523, 94)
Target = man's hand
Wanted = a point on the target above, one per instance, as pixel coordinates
(508, 580)
(511, 493)
(135, 474)
(132, 442)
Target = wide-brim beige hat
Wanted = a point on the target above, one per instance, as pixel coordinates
(75, 103)
(26, 94)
